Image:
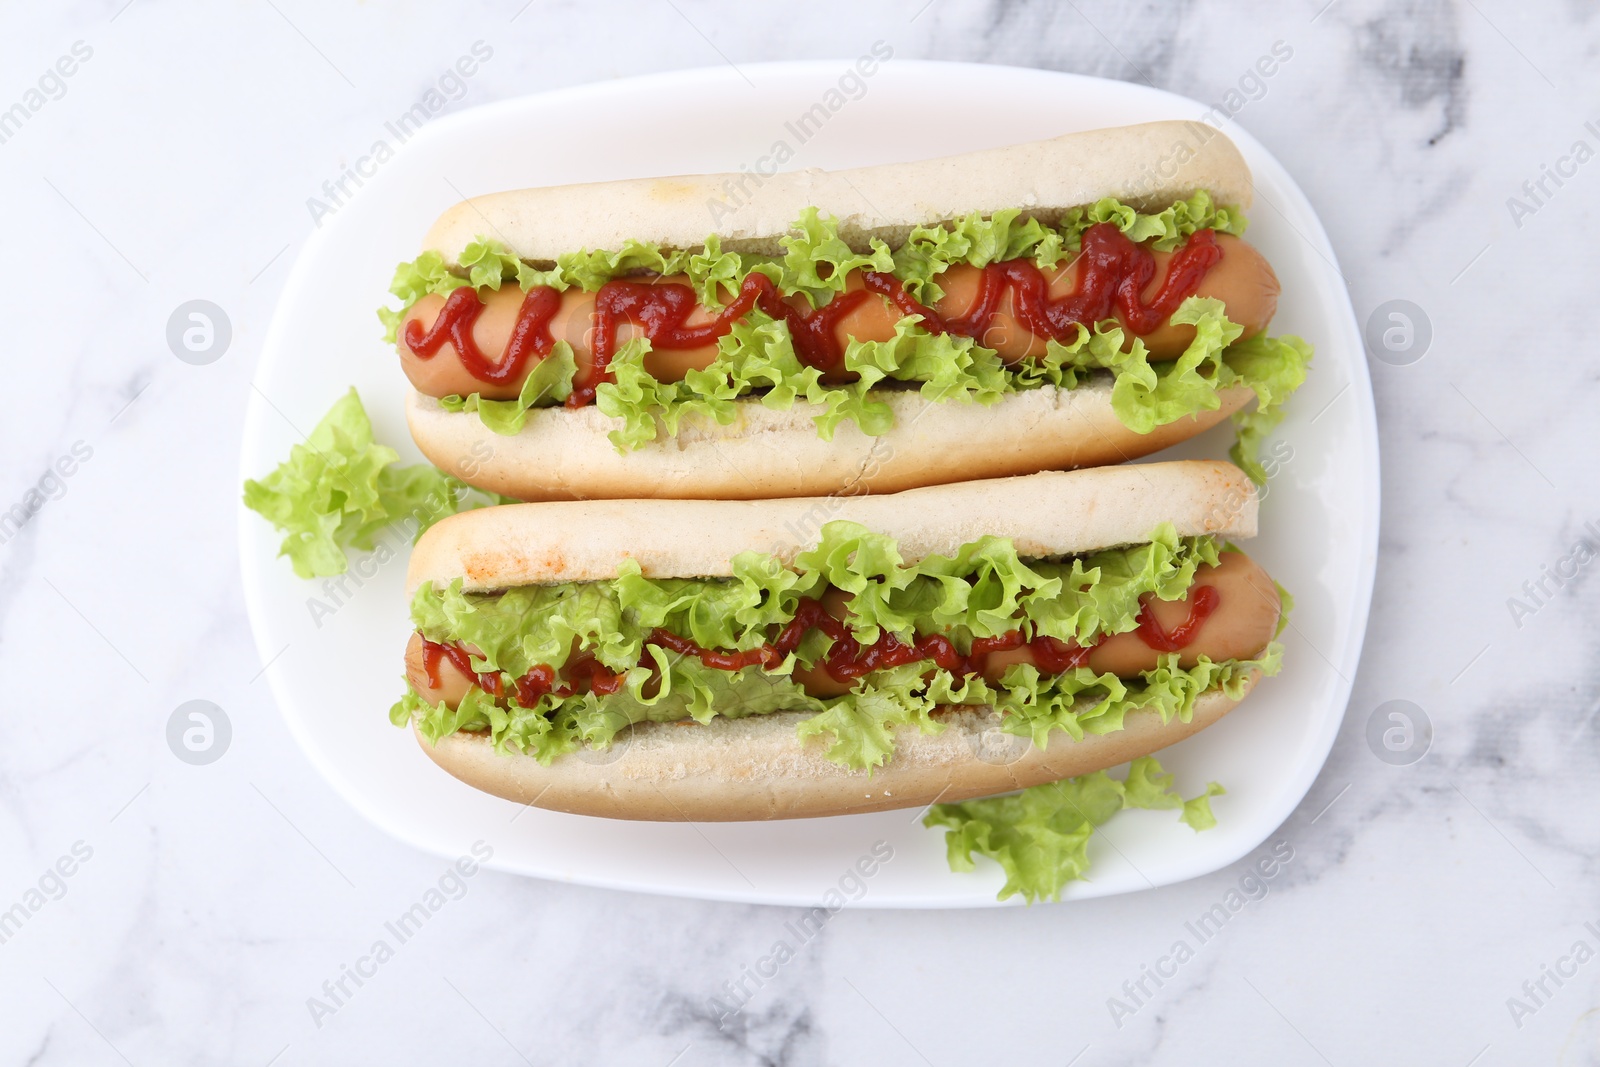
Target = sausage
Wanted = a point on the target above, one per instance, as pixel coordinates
(444, 375)
(1242, 624)
(453, 681)
(1243, 281)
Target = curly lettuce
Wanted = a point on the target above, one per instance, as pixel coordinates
(1272, 368)
(818, 262)
(979, 240)
(757, 359)
(1040, 836)
(341, 488)
(484, 265)
(984, 590)
(550, 382)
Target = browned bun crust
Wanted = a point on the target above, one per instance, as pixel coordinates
(564, 453)
(756, 768)
(1053, 513)
(1147, 166)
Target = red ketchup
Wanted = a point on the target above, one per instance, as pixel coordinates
(846, 659)
(1202, 602)
(662, 311)
(529, 337)
(585, 671)
(433, 652)
(1113, 272)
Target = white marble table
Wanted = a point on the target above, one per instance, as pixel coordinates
(206, 905)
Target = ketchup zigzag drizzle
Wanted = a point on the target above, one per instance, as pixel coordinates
(583, 672)
(530, 335)
(845, 660)
(1113, 272)
(1202, 602)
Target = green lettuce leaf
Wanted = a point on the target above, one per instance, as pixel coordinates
(341, 488)
(485, 265)
(979, 240)
(638, 398)
(686, 690)
(1144, 399)
(976, 593)
(1145, 396)
(1082, 702)
(589, 270)
(858, 729)
(948, 366)
(547, 385)
(976, 240)
(714, 275)
(425, 275)
(731, 613)
(1273, 367)
(1166, 229)
(817, 261)
(489, 265)
(1040, 836)
(757, 358)
(979, 591)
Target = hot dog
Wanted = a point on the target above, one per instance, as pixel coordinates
(1241, 279)
(696, 660)
(1235, 619)
(1030, 301)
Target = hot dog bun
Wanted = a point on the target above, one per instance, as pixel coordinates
(1054, 513)
(565, 454)
(756, 768)
(1146, 166)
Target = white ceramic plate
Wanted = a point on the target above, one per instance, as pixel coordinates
(335, 675)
